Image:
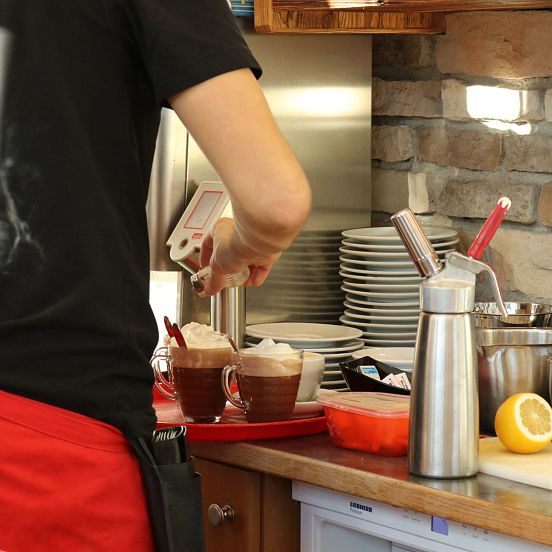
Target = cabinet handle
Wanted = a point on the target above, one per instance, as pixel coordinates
(217, 515)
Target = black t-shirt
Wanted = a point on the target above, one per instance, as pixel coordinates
(81, 87)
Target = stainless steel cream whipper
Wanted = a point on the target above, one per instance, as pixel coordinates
(444, 412)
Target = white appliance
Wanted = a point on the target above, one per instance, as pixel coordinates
(336, 522)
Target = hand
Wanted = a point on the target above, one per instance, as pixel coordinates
(224, 251)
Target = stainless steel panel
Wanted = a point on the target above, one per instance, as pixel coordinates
(319, 90)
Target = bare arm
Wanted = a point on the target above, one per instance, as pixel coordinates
(229, 118)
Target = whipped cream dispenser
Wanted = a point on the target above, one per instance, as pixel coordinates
(210, 202)
(444, 412)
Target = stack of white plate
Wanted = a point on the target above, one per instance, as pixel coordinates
(304, 284)
(335, 343)
(381, 284)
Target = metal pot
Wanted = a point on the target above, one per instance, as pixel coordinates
(520, 315)
(510, 361)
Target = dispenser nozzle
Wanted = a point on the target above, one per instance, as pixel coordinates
(472, 265)
(418, 246)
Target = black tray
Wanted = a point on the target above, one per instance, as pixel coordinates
(357, 381)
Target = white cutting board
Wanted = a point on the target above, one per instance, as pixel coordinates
(531, 469)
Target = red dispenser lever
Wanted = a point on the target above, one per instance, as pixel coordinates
(489, 228)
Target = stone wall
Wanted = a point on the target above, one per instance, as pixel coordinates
(462, 119)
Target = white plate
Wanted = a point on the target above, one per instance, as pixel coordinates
(383, 286)
(365, 277)
(391, 337)
(377, 264)
(399, 357)
(388, 342)
(375, 327)
(361, 268)
(300, 334)
(345, 348)
(333, 373)
(377, 255)
(335, 385)
(384, 295)
(383, 306)
(357, 314)
(395, 258)
(353, 346)
(331, 357)
(389, 234)
(347, 242)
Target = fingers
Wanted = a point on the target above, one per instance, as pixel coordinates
(214, 283)
(258, 275)
(206, 251)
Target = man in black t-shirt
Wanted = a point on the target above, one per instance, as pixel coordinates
(82, 83)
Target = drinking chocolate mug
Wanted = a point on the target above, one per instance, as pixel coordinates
(194, 380)
(267, 384)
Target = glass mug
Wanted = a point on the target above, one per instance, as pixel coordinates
(267, 384)
(194, 380)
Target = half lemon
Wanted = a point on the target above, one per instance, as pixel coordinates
(523, 423)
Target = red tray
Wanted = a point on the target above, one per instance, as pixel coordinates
(235, 428)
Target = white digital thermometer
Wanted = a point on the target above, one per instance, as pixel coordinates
(210, 202)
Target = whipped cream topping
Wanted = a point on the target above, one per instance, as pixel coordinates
(200, 336)
(270, 347)
(270, 359)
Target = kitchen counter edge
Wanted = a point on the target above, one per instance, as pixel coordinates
(482, 501)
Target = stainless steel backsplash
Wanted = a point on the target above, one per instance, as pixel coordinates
(319, 90)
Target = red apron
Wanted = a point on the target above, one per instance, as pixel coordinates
(67, 483)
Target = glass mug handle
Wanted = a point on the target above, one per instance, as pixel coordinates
(225, 380)
(164, 385)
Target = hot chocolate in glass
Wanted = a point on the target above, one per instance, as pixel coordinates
(268, 379)
(194, 372)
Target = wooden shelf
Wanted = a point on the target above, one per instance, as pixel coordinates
(371, 16)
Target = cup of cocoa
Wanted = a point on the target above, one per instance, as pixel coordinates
(268, 378)
(194, 373)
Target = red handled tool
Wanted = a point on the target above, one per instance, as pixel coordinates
(178, 336)
(489, 228)
(168, 326)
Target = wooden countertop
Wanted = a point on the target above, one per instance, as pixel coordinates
(483, 501)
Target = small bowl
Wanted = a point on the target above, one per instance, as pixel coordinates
(312, 375)
(357, 381)
(371, 422)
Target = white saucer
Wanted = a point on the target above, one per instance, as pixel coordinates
(307, 409)
(304, 334)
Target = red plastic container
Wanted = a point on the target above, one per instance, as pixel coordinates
(371, 422)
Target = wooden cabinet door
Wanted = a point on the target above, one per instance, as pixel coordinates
(280, 523)
(241, 491)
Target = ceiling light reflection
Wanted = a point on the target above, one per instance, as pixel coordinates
(322, 101)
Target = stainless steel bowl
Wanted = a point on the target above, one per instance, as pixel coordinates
(520, 315)
(510, 361)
